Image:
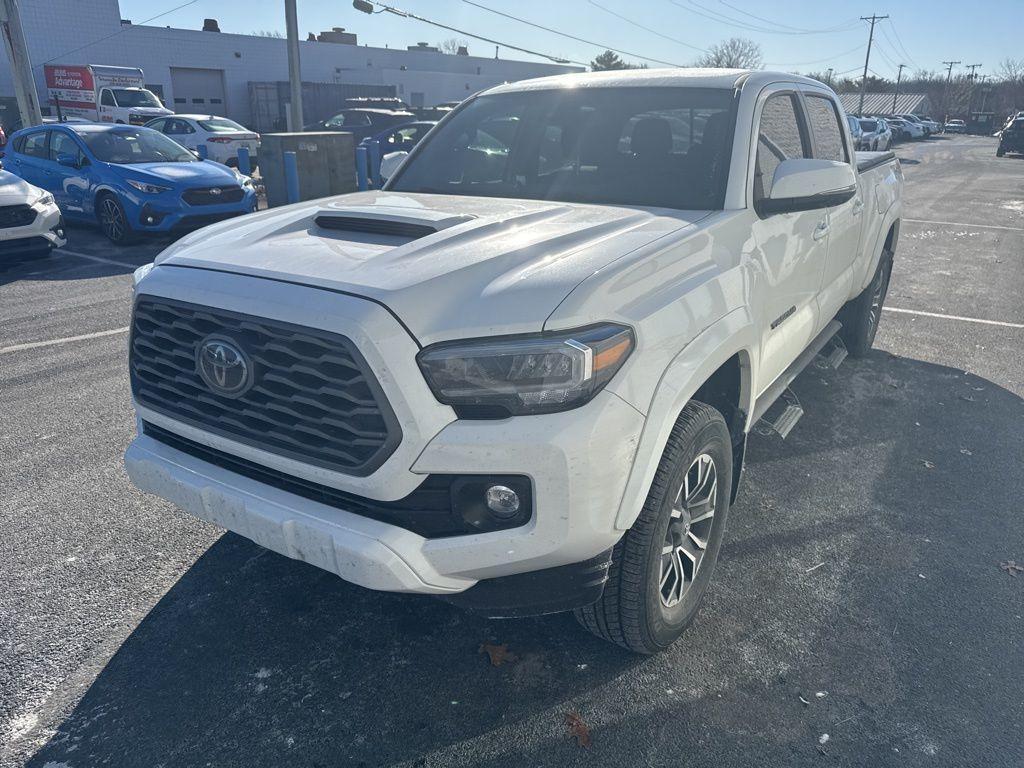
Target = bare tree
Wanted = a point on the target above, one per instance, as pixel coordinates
(734, 53)
(452, 45)
(1011, 70)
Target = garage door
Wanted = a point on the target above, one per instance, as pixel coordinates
(198, 90)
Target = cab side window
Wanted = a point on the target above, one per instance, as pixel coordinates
(824, 120)
(107, 98)
(780, 136)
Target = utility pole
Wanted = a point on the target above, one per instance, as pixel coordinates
(291, 21)
(21, 65)
(970, 99)
(945, 92)
(899, 76)
(864, 78)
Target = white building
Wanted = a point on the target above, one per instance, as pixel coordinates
(207, 71)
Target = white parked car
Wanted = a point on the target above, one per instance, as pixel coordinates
(30, 221)
(910, 129)
(521, 376)
(221, 137)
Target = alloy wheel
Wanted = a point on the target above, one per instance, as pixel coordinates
(689, 530)
(112, 219)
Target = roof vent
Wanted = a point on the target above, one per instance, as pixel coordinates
(210, 25)
(405, 229)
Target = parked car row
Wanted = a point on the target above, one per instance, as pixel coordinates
(879, 132)
(128, 179)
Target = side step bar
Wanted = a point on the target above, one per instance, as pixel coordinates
(781, 384)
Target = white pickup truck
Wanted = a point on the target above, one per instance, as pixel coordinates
(520, 376)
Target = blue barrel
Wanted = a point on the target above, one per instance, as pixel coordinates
(291, 176)
(244, 164)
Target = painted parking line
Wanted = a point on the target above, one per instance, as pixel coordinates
(1001, 323)
(99, 259)
(963, 224)
(65, 340)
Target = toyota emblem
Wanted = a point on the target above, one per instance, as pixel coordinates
(223, 366)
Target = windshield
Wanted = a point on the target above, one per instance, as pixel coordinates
(135, 97)
(220, 125)
(135, 145)
(869, 125)
(657, 146)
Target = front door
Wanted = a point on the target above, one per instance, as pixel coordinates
(791, 247)
(69, 184)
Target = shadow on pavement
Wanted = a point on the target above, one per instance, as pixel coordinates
(852, 567)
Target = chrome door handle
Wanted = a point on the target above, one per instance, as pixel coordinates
(821, 230)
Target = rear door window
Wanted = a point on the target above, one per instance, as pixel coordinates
(824, 120)
(35, 145)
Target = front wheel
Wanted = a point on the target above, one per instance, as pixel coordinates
(662, 565)
(861, 316)
(1000, 152)
(113, 221)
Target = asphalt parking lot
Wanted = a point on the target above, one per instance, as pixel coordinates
(859, 594)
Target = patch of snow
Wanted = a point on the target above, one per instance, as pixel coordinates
(1014, 205)
(21, 725)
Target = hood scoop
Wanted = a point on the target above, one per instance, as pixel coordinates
(407, 226)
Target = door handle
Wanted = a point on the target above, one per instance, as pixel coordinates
(821, 230)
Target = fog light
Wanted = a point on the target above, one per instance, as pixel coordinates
(502, 501)
(149, 219)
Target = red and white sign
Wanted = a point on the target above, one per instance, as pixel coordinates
(74, 87)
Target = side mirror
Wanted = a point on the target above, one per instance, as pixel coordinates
(195, 153)
(390, 163)
(67, 160)
(805, 184)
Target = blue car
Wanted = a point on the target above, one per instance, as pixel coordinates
(401, 138)
(129, 179)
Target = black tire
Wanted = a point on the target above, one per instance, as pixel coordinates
(861, 316)
(113, 220)
(1000, 152)
(632, 611)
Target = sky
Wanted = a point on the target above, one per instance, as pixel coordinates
(794, 35)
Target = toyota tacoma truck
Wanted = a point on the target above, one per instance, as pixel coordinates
(521, 375)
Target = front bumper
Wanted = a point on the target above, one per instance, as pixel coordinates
(157, 214)
(43, 234)
(577, 461)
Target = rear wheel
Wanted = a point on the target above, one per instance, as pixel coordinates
(861, 316)
(1000, 152)
(113, 220)
(662, 565)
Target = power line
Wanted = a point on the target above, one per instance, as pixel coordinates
(567, 35)
(367, 7)
(722, 18)
(900, 41)
(845, 27)
(646, 29)
(819, 61)
(115, 34)
(867, 58)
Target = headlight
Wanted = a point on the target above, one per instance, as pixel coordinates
(244, 180)
(149, 189)
(542, 373)
(44, 200)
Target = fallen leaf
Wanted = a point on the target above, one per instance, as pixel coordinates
(578, 729)
(1012, 568)
(498, 654)
(967, 398)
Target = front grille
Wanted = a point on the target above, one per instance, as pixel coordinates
(312, 396)
(207, 196)
(16, 215)
(429, 510)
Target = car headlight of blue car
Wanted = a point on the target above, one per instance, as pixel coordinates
(147, 188)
